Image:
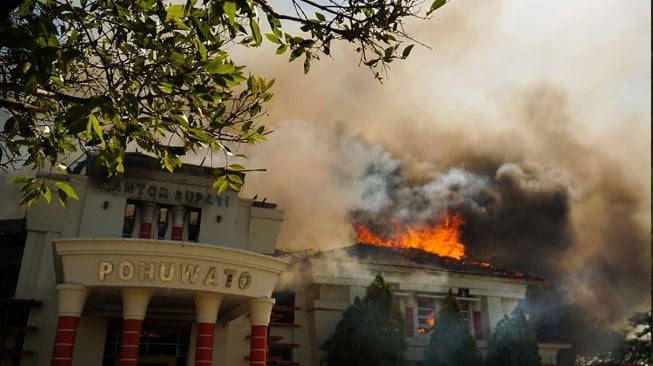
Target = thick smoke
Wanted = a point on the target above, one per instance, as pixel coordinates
(532, 121)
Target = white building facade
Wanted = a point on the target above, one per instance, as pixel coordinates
(327, 283)
(155, 269)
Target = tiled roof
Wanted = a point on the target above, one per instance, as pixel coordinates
(418, 259)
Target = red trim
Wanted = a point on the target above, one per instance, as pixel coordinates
(145, 230)
(478, 325)
(285, 308)
(410, 322)
(204, 344)
(258, 345)
(324, 309)
(177, 233)
(129, 341)
(64, 341)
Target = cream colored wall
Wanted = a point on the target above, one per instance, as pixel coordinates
(37, 281)
(227, 232)
(98, 222)
(303, 333)
(263, 229)
(240, 226)
(231, 343)
(89, 344)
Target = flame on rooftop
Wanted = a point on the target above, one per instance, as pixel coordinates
(443, 239)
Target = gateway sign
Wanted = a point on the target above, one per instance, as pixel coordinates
(166, 265)
(172, 272)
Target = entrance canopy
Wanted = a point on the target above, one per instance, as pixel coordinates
(166, 265)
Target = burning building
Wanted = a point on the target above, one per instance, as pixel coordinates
(422, 263)
(138, 271)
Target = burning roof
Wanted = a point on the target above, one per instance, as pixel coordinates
(419, 259)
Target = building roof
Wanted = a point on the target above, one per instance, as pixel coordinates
(418, 259)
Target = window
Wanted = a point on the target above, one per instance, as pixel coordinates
(162, 222)
(428, 307)
(161, 338)
(129, 220)
(194, 216)
(162, 225)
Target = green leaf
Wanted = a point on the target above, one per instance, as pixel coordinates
(94, 126)
(165, 87)
(219, 67)
(406, 51)
(23, 179)
(175, 12)
(229, 8)
(67, 189)
(58, 81)
(29, 196)
(273, 38)
(236, 167)
(281, 49)
(436, 5)
(320, 16)
(222, 187)
(46, 193)
(10, 125)
(256, 31)
(201, 48)
(235, 178)
(171, 162)
(63, 198)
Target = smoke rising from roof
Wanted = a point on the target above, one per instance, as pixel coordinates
(534, 122)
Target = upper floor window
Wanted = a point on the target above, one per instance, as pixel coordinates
(148, 220)
(194, 216)
(129, 220)
(162, 224)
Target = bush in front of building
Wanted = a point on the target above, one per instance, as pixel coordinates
(513, 343)
(451, 343)
(370, 333)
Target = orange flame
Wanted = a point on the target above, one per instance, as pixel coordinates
(443, 239)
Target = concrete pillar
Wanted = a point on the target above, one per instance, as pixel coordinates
(206, 306)
(147, 216)
(71, 298)
(178, 215)
(134, 306)
(259, 313)
(494, 311)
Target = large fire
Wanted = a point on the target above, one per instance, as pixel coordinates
(443, 239)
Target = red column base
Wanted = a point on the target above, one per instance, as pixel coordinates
(145, 230)
(204, 346)
(64, 341)
(177, 233)
(129, 341)
(258, 345)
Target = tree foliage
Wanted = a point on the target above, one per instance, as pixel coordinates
(370, 333)
(637, 346)
(513, 343)
(451, 343)
(108, 75)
